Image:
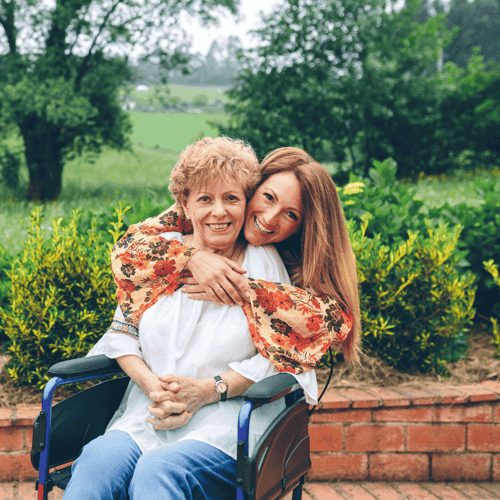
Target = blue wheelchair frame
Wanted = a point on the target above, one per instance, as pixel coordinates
(250, 469)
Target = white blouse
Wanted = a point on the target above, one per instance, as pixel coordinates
(200, 339)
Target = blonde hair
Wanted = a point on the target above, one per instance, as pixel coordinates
(320, 255)
(210, 160)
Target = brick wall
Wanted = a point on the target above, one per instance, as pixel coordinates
(404, 434)
(397, 434)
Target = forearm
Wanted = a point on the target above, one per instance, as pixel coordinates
(237, 384)
(137, 369)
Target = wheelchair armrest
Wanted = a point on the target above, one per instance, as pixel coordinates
(270, 389)
(91, 366)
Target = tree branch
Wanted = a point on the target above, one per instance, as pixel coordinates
(8, 25)
(84, 66)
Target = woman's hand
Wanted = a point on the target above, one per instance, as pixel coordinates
(177, 401)
(215, 278)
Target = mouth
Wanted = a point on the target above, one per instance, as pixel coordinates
(219, 227)
(261, 228)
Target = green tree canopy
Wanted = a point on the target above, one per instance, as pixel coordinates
(62, 62)
(353, 78)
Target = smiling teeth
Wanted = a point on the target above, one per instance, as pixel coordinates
(260, 228)
(219, 226)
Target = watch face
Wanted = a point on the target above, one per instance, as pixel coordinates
(221, 386)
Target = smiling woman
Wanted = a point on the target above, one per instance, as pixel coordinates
(217, 212)
(275, 211)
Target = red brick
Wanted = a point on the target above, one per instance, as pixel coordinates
(460, 467)
(477, 393)
(350, 490)
(6, 491)
(444, 491)
(418, 397)
(435, 437)
(492, 385)
(25, 415)
(358, 415)
(383, 491)
(389, 398)
(323, 492)
(333, 400)
(399, 467)
(366, 437)
(496, 413)
(496, 468)
(11, 439)
(325, 437)
(5, 417)
(483, 437)
(359, 398)
(471, 490)
(449, 395)
(415, 491)
(16, 467)
(402, 414)
(338, 466)
(26, 491)
(493, 488)
(462, 413)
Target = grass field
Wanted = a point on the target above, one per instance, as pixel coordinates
(185, 93)
(172, 131)
(144, 172)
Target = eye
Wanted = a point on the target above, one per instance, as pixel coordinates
(292, 216)
(233, 197)
(204, 198)
(268, 196)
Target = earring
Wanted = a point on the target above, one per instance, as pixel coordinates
(187, 217)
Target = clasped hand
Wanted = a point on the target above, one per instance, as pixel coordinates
(176, 401)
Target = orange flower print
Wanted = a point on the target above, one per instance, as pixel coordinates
(314, 323)
(164, 268)
(126, 286)
(282, 301)
(265, 300)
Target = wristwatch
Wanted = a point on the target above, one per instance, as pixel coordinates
(221, 387)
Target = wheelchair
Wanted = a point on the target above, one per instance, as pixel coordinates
(275, 468)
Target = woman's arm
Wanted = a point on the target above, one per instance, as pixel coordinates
(303, 323)
(144, 262)
(294, 327)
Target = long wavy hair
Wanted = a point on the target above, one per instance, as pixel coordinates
(320, 255)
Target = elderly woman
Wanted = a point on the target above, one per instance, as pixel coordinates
(154, 448)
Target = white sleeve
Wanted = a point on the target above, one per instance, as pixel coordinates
(266, 264)
(258, 368)
(121, 339)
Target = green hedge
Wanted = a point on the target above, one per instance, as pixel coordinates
(62, 298)
(393, 211)
(416, 306)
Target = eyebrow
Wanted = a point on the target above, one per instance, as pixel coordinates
(288, 208)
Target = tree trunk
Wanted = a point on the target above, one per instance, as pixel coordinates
(44, 160)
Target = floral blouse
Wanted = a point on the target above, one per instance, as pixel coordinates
(291, 327)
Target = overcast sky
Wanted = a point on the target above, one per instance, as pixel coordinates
(202, 38)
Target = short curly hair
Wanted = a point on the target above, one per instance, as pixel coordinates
(209, 160)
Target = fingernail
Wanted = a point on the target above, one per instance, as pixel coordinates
(248, 294)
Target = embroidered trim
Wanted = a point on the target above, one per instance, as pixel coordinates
(118, 326)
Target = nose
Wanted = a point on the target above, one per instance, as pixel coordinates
(270, 216)
(218, 208)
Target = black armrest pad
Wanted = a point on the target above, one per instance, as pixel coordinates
(270, 389)
(97, 366)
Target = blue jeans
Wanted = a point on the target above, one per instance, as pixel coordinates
(112, 467)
